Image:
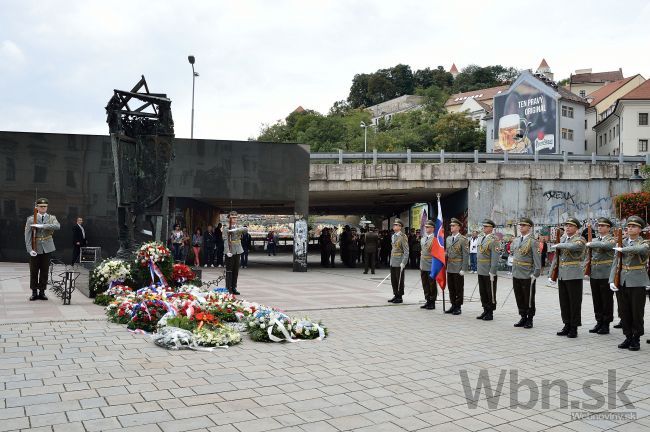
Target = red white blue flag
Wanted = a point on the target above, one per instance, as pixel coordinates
(438, 264)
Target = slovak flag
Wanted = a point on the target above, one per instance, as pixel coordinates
(438, 265)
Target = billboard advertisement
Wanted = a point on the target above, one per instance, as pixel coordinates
(525, 121)
(419, 215)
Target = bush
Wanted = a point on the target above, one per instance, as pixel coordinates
(103, 300)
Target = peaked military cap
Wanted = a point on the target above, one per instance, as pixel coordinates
(573, 221)
(42, 201)
(233, 214)
(525, 221)
(398, 222)
(455, 221)
(430, 223)
(635, 220)
(605, 221)
(489, 222)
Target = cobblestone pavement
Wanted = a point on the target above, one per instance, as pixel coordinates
(383, 368)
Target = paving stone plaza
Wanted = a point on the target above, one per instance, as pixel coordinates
(382, 368)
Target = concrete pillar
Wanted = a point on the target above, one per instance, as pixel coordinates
(593, 158)
(565, 157)
(408, 155)
(374, 156)
(442, 156)
(536, 158)
(505, 156)
(475, 156)
(620, 158)
(340, 156)
(647, 159)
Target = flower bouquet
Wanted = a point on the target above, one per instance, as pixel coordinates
(219, 336)
(146, 314)
(182, 273)
(152, 254)
(304, 328)
(268, 325)
(107, 273)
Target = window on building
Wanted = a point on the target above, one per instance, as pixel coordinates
(643, 119)
(567, 111)
(585, 145)
(567, 134)
(40, 174)
(600, 140)
(616, 130)
(643, 145)
(583, 93)
(10, 174)
(70, 180)
(585, 124)
(609, 134)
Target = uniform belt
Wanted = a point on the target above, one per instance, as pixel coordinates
(523, 263)
(235, 241)
(44, 238)
(454, 259)
(397, 253)
(636, 267)
(602, 262)
(484, 260)
(569, 263)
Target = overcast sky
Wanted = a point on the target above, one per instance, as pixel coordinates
(259, 60)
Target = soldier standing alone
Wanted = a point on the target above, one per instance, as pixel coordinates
(633, 282)
(602, 256)
(233, 249)
(457, 263)
(39, 256)
(428, 284)
(399, 256)
(569, 255)
(526, 268)
(488, 259)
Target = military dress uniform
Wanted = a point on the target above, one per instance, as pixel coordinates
(399, 256)
(232, 244)
(602, 257)
(428, 284)
(526, 268)
(632, 285)
(39, 260)
(457, 261)
(569, 255)
(487, 261)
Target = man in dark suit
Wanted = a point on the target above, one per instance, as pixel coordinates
(370, 251)
(79, 239)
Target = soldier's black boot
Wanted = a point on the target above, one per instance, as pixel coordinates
(482, 315)
(625, 344)
(392, 300)
(634, 344)
(596, 327)
(451, 309)
(529, 322)
(521, 322)
(426, 304)
(41, 295)
(564, 331)
(398, 300)
(573, 332)
(34, 296)
(488, 316)
(431, 305)
(604, 329)
(619, 325)
(235, 292)
(457, 311)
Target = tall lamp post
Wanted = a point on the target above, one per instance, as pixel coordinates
(191, 59)
(365, 136)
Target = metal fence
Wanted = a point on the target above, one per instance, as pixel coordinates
(475, 157)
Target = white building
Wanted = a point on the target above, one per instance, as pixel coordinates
(584, 82)
(386, 110)
(625, 127)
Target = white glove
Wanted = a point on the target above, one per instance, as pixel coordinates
(492, 276)
(533, 277)
(552, 247)
(229, 255)
(647, 288)
(613, 287)
(551, 281)
(232, 230)
(402, 265)
(617, 249)
(462, 273)
(33, 253)
(588, 244)
(37, 225)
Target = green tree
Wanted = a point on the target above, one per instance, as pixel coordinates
(456, 132)
(476, 77)
(439, 78)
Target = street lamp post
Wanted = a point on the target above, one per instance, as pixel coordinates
(191, 59)
(365, 136)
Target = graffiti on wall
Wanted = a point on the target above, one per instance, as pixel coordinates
(559, 195)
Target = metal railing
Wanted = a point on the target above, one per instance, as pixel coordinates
(475, 157)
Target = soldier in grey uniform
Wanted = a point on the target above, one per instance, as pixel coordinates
(526, 268)
(457, 251)
(428, 284)
(633, 282)
(233, 249)
(602, 257)
(570, 255)
(39, 257)
(399, 256)
(488, 259)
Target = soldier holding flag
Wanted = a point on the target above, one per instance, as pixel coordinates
(457, 263)
(428, 283)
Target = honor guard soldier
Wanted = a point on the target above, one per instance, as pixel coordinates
(526, 268)
(488, 259)
(633, 282)
(233, 250)
(570, 254)
(457, 263)
(602, 257)
(428, 285)
(40, 245)
(399, 256)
